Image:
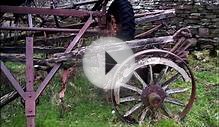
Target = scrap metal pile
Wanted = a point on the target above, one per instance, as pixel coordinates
(47, 31)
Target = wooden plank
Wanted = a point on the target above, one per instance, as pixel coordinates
(156, 17)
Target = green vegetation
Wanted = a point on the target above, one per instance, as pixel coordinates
(86, 106)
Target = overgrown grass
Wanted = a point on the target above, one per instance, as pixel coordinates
(85, 105)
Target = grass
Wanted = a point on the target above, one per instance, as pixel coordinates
(85, 105)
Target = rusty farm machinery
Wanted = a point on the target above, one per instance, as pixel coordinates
(162, 84)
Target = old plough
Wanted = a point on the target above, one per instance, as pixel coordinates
(162, 84)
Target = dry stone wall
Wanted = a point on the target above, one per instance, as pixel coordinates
(201, 15)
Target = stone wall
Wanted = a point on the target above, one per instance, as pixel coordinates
(204, 20)
(201, 15)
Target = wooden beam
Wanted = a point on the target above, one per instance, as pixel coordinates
(156, 17)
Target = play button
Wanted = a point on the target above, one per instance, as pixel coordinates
(102, 59)
(110, 63)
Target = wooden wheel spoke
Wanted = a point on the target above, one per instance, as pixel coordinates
(129, 98)
(143, 115)
(151, 74)
(133, 88)
(162, 73)
(172, 79)
(117, 95)
(176, 91)
(133, 109)
(165, 87)
(140, 79)
(165, 111)
(174, 101)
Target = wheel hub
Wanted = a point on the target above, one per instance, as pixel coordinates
(153, 96)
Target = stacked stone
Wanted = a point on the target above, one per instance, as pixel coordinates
(204, 22)
(201, 15)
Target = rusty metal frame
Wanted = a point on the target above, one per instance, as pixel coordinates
(29, 95)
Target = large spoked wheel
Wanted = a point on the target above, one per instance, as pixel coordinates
(168, 92)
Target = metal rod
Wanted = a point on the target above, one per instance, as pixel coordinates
(149, 32)
(52, 6)
(31, 121)
(12, 80)
(48, 11)
(30, 103)
(37, 49)
(29, 64)
(45, 29)
(30, 21)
